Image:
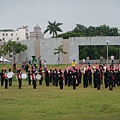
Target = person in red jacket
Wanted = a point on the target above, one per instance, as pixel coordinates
(1, 74)
(19, 77)
(61, 80)
(34, 79)
(5, 78)
(111, 80)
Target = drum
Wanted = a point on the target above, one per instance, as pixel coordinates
(38, 77)
(10, 75)
(24, 76)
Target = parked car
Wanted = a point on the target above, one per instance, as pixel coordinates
(5, 60)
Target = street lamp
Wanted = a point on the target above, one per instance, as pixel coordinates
(107, 52)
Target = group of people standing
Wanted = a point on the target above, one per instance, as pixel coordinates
(101, 74)
(5, 80)
(71, 76)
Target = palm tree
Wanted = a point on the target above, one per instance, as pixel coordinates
(53, 28)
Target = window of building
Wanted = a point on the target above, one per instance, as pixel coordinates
(36, 36)
(11, 34)
(17, 38)
(3, 34)
(26, 34)
(3, 38)
(6, 34)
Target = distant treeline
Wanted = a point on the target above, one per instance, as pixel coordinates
(94, 52)
(82, 31)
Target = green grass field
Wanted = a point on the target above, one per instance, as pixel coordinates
(51, 103)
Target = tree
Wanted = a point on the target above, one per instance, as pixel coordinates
(59, 51)
(82, 31)
(53, 28)
(2, 52)
(12, 48)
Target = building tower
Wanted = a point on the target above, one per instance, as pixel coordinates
(36, 34)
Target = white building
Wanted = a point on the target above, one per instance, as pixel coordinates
(21, 33)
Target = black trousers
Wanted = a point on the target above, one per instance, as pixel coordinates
(47, 81)
(74, 84)
(19, 83)
(69, 82)
(40, 81)
(34, 84)
(2, 81)
(65, 80)
(110, 85)
(29, 80)
(6, 83)
(10, 81)
(56, 82)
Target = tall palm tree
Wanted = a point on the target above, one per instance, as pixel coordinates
(53, 28)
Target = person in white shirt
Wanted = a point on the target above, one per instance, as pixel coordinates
(112, 59)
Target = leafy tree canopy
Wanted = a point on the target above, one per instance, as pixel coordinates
(82, 31)
(12, 48)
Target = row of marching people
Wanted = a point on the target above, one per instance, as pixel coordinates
(59, 77)
(111, 77)
(6, 78)
(69, 77)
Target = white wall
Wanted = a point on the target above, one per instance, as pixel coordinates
(47, 47)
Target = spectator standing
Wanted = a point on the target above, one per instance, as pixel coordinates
(74, 64)
(112, 59)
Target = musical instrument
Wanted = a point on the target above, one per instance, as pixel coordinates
(38, 77)
(24, 76)
(10, 74)
(104, 69)
(84, 70)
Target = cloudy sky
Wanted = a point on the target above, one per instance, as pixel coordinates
(16, 13)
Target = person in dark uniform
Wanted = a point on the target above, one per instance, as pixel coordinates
(74, 79)
(41, 73)
(118, 75)
(115, 77)
(56, 77)
(94, 78)
(106, 78)
(40, 63)
(29, 77)
(19, 77)
(5, 78)
(47, 78)
(85, 79)
(98, 79)
(26, 67)
(69, 77)
(111, 79)
(53, 81)
(51, 75)
(2, 79)
(10, 79)
(89, 74)
(101, 75)
(61, 80)
(14, 67)
(34, 79)
(79, 76)
(65, 76)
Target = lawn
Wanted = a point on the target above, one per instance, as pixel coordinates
(51, 103)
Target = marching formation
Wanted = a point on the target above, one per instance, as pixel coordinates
(72, 76)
